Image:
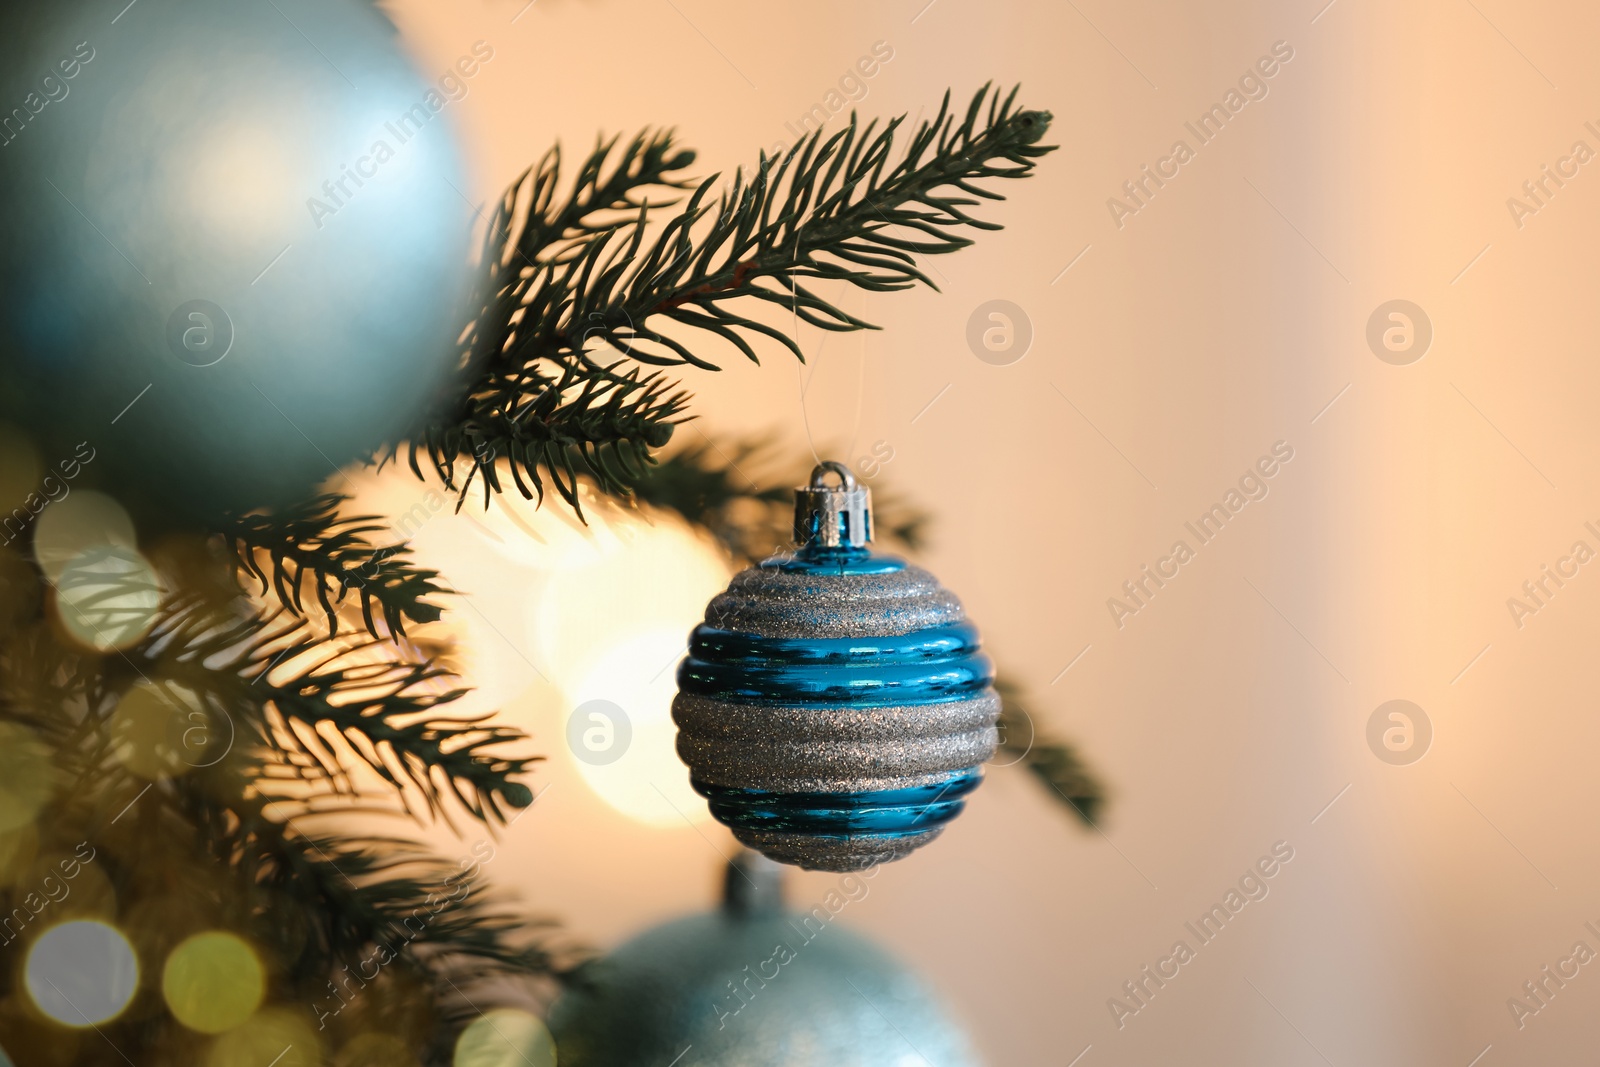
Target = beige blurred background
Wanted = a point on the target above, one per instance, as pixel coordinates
(1229, 313)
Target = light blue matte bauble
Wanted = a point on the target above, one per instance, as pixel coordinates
(232, 247)
(835, 708)
(755, 985)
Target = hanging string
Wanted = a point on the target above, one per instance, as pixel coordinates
(803, 380)
(861, 384)
(799, 368)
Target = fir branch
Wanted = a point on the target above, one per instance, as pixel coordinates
(286, 687)
(1055, 763)
(311, 548)
(576, 421)
(375, 884)
(577, 288)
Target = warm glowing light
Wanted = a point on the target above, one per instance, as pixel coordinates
(588, 620)
(81, 973)
(272, 1037)
(107, 597)
(611, 625)
(648, 782)
(505, 1037)
(25, 776)
(213, 982)
(82, 522)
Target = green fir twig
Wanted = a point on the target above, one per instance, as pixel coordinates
(576, 288)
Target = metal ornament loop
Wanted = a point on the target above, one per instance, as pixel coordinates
(847, 477)
(837, 516)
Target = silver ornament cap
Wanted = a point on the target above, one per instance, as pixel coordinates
(832, 516)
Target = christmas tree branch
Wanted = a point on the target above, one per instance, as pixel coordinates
(312, 548)
(1055, 763)
(315, 700)
(578, 288)
(375, 884)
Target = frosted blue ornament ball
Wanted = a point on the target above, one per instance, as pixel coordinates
(757, 984)
(232, 245)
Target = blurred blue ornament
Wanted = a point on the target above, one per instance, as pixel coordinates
(755, 985)
(835, 708)
(232, 248)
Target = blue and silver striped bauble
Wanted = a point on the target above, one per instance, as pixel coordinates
(835, 708)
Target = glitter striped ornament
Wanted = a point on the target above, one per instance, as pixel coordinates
(835, 708)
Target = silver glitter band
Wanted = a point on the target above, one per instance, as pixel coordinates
(711, 719)
(833, 766)
(775, 603)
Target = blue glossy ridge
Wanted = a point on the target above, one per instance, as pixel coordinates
(886, 813)
(873, 685)
(935, 645)
(932, 666)
(813, 560)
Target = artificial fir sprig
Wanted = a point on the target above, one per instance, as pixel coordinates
(1055, 763)
(574, 289)
(318, 701)
(419, 937)
(311, 549)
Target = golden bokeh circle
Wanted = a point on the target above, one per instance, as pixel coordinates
(505, 1037)
(107, 597)
(213, 982)
(84, 521)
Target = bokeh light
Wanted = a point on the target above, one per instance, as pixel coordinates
(505, 1037)
(26, 776)
(648, 783)
(81, 973)
(611, 625)
(82, 522)
(213, 981)
(107, 594)
(272, 1037)
(107, 597)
